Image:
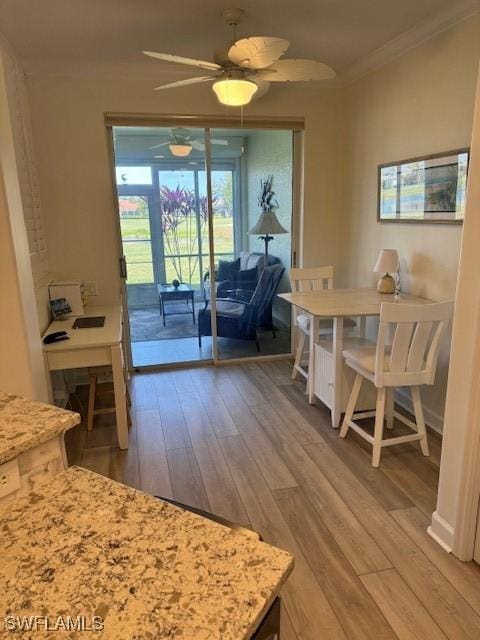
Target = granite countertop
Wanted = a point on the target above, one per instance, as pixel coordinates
(26, 423)
(84, 545)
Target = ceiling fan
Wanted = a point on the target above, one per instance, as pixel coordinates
(181, 142)
(247, 67)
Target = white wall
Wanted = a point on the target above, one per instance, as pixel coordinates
(420, 104)
(270, 153)
(74, 164)
(455, 518)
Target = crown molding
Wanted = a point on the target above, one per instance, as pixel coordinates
(456, 12)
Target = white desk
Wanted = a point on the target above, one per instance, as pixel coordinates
(91, 348)
(338, 304)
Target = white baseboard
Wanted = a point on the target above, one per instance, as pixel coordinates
(432, 419)
(441, 532)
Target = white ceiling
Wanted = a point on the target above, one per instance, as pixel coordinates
(82, 32)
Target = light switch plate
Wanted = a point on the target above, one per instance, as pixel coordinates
(9, 477)
(91, 288)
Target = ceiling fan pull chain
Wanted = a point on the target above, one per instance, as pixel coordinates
(241, 129)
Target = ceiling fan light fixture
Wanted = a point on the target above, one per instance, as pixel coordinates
(234, 91)
(180, 150)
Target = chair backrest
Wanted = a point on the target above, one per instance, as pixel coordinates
(256, 259)
(266, 287)
(413, 353)
(311, 279)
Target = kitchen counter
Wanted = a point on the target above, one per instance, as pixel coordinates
(26, 423)
(84, 545)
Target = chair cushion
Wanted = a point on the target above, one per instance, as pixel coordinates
(230, 308)
(364, 357)
(326, 324)
(243, 259)
(303, 322)
(253, 261)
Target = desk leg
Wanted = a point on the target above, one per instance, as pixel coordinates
(363, 327)
(314, 330)
(337, 371)
(120, 396)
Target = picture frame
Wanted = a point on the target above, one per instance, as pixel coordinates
(428, 189)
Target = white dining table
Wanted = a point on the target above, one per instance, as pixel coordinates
(339, 304)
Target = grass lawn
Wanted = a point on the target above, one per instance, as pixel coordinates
(137, 248)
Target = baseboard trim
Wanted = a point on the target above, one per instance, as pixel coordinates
(432, 419)
(441, 532)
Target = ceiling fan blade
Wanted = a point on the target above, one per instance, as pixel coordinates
(257, 52)
(162, 144)
(198, 145)
(184, 83)
(263, 87)
(167, 57)
(295, 70)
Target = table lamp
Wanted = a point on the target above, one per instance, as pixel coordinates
(267, 224)
(387, 263)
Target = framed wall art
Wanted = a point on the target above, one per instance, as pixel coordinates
(427, 189)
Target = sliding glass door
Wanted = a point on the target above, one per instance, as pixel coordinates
(251, 320)
(189, 202)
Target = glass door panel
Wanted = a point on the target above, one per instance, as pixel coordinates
(163, 223)
(136, 237)
(184, 223)
(251, 319)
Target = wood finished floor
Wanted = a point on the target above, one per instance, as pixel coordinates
(242, 442)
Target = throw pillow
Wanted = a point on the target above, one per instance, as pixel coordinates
(247, 276)
(227, 269)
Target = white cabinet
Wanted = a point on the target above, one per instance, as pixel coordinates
(324, 385)
(31, 469)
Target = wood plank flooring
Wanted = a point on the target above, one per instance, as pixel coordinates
(242, 442)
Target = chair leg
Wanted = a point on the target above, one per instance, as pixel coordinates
(92, 389)
(352, 401)
(417, 406)
(389, 408)
(298, 355)
(257, 342)
(378, 433)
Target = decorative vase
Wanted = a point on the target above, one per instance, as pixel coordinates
(175, 284)
(386, 284)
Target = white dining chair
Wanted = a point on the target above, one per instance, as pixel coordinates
(410, 361)
(310, 279)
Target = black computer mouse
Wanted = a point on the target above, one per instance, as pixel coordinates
(55, 337)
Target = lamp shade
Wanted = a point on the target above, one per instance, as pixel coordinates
(387, 261)
(267, 224)
(234, 92)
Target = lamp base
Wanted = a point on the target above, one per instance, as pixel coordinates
(386, 284)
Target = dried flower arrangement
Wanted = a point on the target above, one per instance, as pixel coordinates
(266, 199)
